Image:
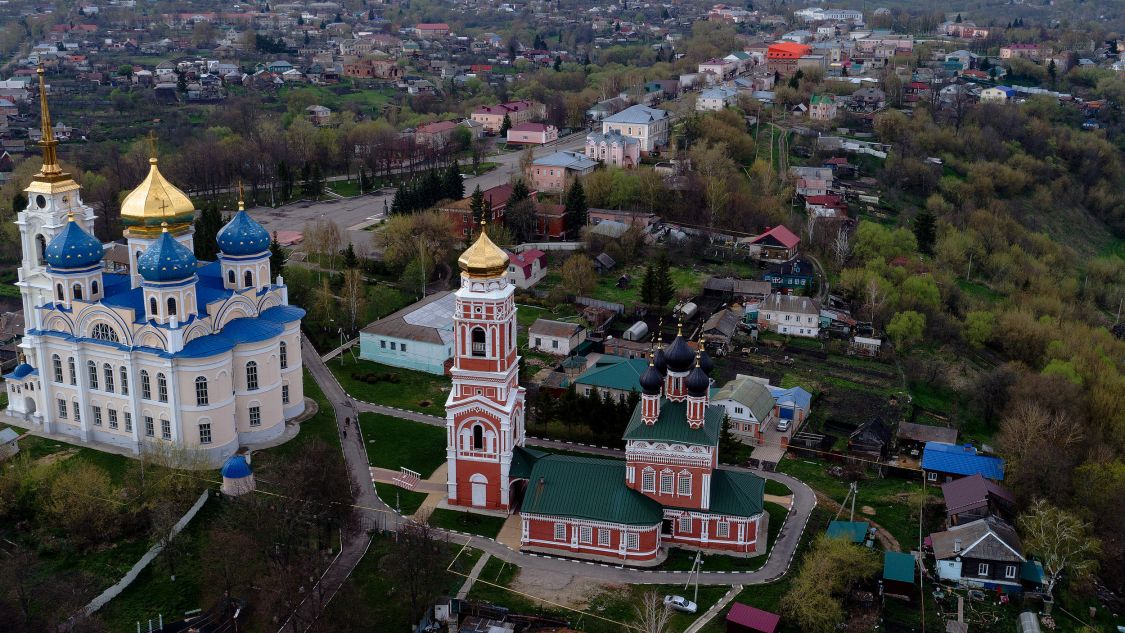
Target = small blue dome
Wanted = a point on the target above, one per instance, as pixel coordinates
(236, 467)
(243, 236)
(21, 371)
(166, 260)
(658, 362)
(679, 356)
(651, 380)
(73, 248)
(697, 382)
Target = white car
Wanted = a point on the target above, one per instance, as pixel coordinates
(680, 603)
(783, 425)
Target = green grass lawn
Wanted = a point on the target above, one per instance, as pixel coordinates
(394, 443)
(480, 524)
(346, 188)
(777, 488)
(321, 426)
(408, 501)
(933, 398)
(483, 168)
(414, 391)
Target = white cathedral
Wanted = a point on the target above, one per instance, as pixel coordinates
(202, 356)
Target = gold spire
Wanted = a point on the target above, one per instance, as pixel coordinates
(163, 227)
(241, 202)
(50, 172)
(156, 202)
(484, 259)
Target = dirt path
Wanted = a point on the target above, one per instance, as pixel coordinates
(889, 543)
(570, 591)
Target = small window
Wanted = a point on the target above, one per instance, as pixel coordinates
(97, 416)
(171, 306)
(555, 344)
(62, 408)
(723, 529)
(59, 292)
(230, 277)
(585, 534)
(255, 416)
(478, 342)
(478, 437)
(150, 428)
(107, 370)
(402, 347)
(252, 375)
(931, 476)
(648, 480)
(112, 418)
(94, 288)
(393, 346)
(77, 412)
(982, 569)
(152, 309)
(56, 362)
(166, 429)
(248, 279)
(1009, 571)
(92, 374)
(632, 541)
(283, 352)
(284, 394)
(146, 386)
(201, 399)
(382, 344)
(128, 422)
(161, 388)
(665, 483)
(603, 537)
(685, 525)
(73, 372)
(124, 381)
(77, 290)
(205, 433)
(560, 531)
(103, 332)
(685, 484)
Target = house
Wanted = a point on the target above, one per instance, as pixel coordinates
(1021, 51)
(550, 221)
(374, 69)
(557, 338)
(985, 553)
(528, 133)
(318, 115)
(749, 405)
(913, 437)
(868, 99)
(614, 148)
(777, 244)
(997, 94)
(790, 314)
(555, 171)
(822, 107)
(495, 201)
(784, 57)
(431, 30)
(729, 289)
(899, 570)
(719, 329)
(851, 531)
(603, 263)
(812, 181)
(718, 68)
(872, 438)
(649, 126)
(946, 462)
(612, 377)
(527, 268)
(436, 134)
(419, 336)
(974, 497)
(792, 276)
(606, 107)
(9, 443)
(492, 116)
(791, 404)
(640, 219)
(713, 99)
(743, 618)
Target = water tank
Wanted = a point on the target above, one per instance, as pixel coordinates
(636, 332)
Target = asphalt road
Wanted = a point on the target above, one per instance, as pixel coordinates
(353, 213)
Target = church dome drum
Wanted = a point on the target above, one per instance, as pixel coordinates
(679, 355)
(155, 202)
(166, 260)
(73, 248)
(243, 236)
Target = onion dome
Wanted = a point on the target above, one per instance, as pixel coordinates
(651, 380)
(243, 236)
(166, 260)
(484, 259)
(236, 467)
(73, 248)
(679, 355)
(154, 202)
(697, 382)
(706, 363)
(659, 362)
(23, 370)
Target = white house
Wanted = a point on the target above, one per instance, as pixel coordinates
(997, 94)
(558, 338)
(527, 268)
(790, 314)
(716, 99)
(419, 336)
(749, 405)
(648, 125)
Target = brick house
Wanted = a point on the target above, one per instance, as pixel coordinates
(492, 116)
(528, 133)
(614, 148)
(554, 172)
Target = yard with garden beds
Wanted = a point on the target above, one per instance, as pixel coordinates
(391, 386)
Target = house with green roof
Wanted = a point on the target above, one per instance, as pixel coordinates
(749, 404)
(613, 377)
(822, 107)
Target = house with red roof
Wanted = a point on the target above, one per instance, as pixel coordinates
(432, 30)
(785, 57)
(743, 618)
(528, 133)
(527, 268)
(777, 244)
(435, 134)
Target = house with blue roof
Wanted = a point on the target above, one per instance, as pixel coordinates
(203, 357)
(648, 125)
(945, 462)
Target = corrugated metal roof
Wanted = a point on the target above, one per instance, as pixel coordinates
(587, 488)
(672, 426)
(427, 321)
(750, 393)
(547, 327)
(961, 460)
(898, 566)
(736, 493)
(753, 618)
(637, 114)
(621, 374)
(854, 531)
(987, 539)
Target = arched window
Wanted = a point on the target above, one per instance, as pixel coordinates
(248, 279)
(251, 375)
(57, 363)
(152, 307)
(171, 306)
(284, 352)
(104, 332)
(478, 342)
(73, 371)
(107, 371)
(59, 292)
(161, 388)
(201, 399)
(666, 483)
(93, 288)
(77, 292)
(146, 386)
(124, 381)
(478, 437)
(230, 277)
(41, 250)
(92, 374)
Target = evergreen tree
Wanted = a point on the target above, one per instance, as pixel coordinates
(665, 288)
(558, 63)
(648, 286)
(277, 257)
(1052, 71)
(350, 258)
(19, 202)
(477, 206)
(576, 209)
(728, 443)
(453, 185)
(398, 202)
(520, 192)
(958, 19)
(285, 179)
(207, 227)
(505, 126)
(432, 189)
(925, 231)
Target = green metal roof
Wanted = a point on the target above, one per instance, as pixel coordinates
(736, 493)
(619, 373)
(523, 459)
(587, 488)
(854, 531)
(815, 99)
(750, 393)
(672, 425)
(898, 566)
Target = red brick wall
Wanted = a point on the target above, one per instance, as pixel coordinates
(542, 534)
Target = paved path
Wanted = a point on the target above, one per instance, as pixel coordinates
(714, 610)
(468, 586)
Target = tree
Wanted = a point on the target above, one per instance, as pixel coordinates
(125, 70)
(978, 327)
(207, 227)
(82, 501)
(652, 614)
(1062, 542)
(277, 257)
(578, 275)
(406, 237)
(576, 208)
(828, 571)
(505, 125)
(520, 192)
(841, 246)
(163, 517)
(521, 220)
(453, 185)
(353, 292)
(477, 206)
(648, 286)
(1052, 71)
(417, 565)
(925, 231)
(663, 285)
(350, 258)
(906, 328)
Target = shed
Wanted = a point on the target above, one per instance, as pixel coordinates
(604, 263)
(854, 531)
(743, 618)
(688, 311)
(898, 574)
(636, 332)
(913, 437)
(871, 438)
(1028, 623)
(9, 443)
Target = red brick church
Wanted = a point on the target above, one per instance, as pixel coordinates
(669, 490)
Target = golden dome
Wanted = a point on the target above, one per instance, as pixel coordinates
(154, 202)
(483, 260)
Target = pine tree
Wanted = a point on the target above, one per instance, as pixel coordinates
(476, 205)
(958, 20)
(520, 192)
(505, 126)
(19, 202)
(648, 286)
(558, 63)
(350, 258)
(576, 209)
(925, 231)
(207, 227)
(728, 443)
(453, 185)
(277, 256)
(433, 188)
(397, 203)
(665, 288)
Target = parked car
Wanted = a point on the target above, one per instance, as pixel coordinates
(783, 425)
(680, 603)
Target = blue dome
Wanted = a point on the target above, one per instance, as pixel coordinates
(21, 371)
(73, 248)
(679, 356)
(697, 382)
(166, 260)
(236, 467)
(651, 380)
(243, 236)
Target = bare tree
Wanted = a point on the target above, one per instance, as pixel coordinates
(417, 565)
(1062, 541)
(652, 615)
(841, 247)
(875, 297)
(354, 295)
